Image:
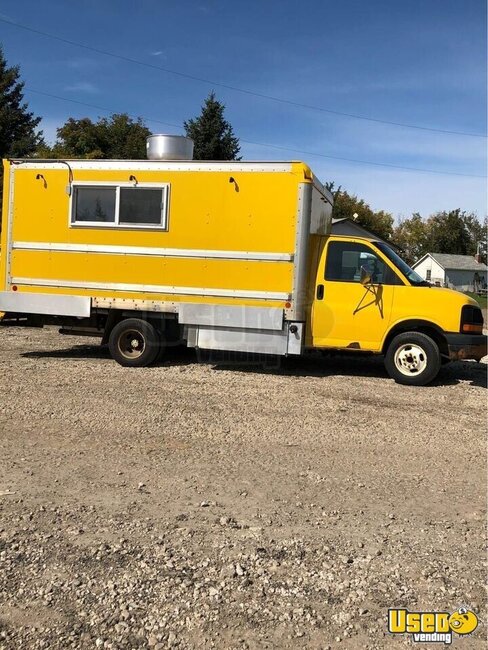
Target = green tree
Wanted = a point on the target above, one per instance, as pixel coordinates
(19, 136)
(213, 136)
(117, 137)
(478, 235)
(453, 231)
(347, 205)
(411, 235)
(448, 233)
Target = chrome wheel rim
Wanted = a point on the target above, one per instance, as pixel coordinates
(131, 344)
(410, 359)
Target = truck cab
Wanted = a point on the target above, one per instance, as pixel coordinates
(368, 299)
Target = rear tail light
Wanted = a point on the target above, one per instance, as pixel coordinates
(471, 320)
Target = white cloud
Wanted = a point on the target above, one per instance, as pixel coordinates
(82, 63)
(409, 147)
(82, 87)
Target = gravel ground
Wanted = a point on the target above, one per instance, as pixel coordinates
(224, 505)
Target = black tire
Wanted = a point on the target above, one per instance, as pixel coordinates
(163, 348)
(413, 358)
(134, 343)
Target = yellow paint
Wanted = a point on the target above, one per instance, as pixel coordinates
(355, 316)
(206, 212)
(464, 621)
(165, 271)
(257, 213)
(432, 624)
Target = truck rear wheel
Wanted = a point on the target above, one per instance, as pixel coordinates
(413, 358)
(134, 343)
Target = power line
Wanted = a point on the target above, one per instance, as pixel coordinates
(366, 162)
(280, 100)
(100, 108)
(264, 144)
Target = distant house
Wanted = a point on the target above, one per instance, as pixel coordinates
(351, 228)
(461, 272)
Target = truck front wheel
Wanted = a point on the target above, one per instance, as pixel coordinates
(134, 343)
(413, 358)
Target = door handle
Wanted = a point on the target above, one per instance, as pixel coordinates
(320, 291)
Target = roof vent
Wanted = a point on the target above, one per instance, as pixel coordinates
(169, 147)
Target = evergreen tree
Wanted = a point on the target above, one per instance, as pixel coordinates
(213, 136)
(18, 126)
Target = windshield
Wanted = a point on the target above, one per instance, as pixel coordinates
(409, 273)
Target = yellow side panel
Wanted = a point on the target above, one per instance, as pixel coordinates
(256, 213)
(205, 210)
(178, 272)
(434, 304)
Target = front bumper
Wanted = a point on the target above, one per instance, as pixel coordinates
(467, 346)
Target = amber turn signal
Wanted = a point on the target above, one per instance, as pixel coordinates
(472, 329)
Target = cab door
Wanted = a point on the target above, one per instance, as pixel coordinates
(346, 313)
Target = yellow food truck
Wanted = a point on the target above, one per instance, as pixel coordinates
(231, 256)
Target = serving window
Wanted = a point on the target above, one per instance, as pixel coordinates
(120, 206)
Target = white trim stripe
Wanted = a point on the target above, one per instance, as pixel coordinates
(154, 288)
(152, 251)
(155, 165)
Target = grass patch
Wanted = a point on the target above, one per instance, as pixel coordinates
(481, 300)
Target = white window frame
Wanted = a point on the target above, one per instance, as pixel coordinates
(117, 186)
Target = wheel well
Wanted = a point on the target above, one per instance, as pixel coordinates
(435, 333)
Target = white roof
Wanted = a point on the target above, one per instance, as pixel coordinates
(455, 262)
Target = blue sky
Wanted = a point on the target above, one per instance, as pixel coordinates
(420, 62)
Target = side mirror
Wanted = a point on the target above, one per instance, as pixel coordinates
(365, 277)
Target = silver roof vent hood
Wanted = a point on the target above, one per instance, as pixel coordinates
(169, 147)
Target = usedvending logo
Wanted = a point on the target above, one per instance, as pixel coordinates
(432, 627)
